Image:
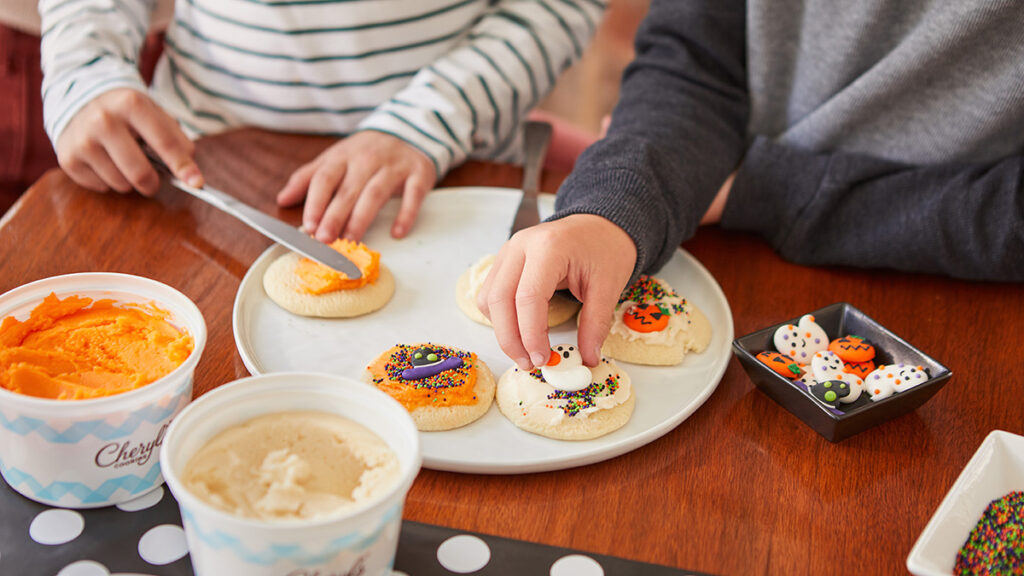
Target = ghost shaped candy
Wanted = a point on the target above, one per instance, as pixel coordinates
(802, 341)
(887, 379)
(826, 366)
(565, 370)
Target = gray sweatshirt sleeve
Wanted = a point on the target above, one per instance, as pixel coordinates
(677, 132)
(965, 221)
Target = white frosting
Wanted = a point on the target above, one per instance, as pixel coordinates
(565, 371)
(477, 274)
(531, 395)
(679, 325)
(802, 341)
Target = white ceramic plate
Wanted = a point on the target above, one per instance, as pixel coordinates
(454, 229)
(995, 470)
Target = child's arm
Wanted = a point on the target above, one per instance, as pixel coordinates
(965, 221)
(471, 101)
(94, 100)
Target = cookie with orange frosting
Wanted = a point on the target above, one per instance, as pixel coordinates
(302, 286)
(560, 309)
(566, 400)
(442, 387)
(653, 324)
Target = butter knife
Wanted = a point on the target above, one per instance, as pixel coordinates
(291, 238)
(535, 144)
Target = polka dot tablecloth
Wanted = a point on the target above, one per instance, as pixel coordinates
(144, 537)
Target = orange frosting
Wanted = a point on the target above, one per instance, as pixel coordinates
(77, 348)
(315, 278)
(455, 387)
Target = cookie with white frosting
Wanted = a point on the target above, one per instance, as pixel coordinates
(560, 309)
(565, 399)
(652, 324)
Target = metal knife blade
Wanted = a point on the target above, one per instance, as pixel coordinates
(271, 227)
(535, 142)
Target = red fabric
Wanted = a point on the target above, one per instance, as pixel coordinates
(25, 151)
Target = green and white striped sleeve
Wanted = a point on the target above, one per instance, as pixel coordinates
(472, 101)
(88, 47)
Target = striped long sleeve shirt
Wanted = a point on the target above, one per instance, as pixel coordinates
(453, 78)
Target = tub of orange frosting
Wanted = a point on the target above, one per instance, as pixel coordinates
(93, 367)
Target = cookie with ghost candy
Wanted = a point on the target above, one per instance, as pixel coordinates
(566, 400)
(442, 387)
(802, 340)
(307, 288)
(652, 324)
(560, 309)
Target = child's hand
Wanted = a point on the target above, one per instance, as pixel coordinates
(347, 184)
(588, 254)
(99, 148)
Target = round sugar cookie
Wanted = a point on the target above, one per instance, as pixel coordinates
(560, 309)
(534, 405)
(654, 325)
(442, 387)
(284, 287)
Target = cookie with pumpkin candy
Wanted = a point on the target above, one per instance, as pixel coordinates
(652, 324)
(302, 286)
(442, 387)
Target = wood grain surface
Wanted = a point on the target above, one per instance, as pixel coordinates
(740, 487)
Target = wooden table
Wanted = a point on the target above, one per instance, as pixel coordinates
(740, 487)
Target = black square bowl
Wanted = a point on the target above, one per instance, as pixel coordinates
(839, 423)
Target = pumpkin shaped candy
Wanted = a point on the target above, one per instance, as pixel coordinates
(780, 363)
(852, 349)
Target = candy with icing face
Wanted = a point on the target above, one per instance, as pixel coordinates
(859, 369)
(908, 376)
(646, 317)
(780, 363)
(565, 369)
(801, 341)
(831, 392)
(826, 366)
(427, 361)
(852, 349)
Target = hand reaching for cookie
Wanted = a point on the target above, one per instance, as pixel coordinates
(99, 149)
(347, 184)
(587, 254)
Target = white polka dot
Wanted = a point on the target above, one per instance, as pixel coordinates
(463, 554)
(163, 544)
(84, 568)
(147, 500)
(56, 526)
(576, 565)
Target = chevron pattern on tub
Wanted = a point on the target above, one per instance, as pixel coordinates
(152, 414)
(353, 541)
(54, 491)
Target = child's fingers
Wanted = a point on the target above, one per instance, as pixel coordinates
(537, 285)
(595, 318)
(298, 183)
(323, 185)
(417, 185)
(164, 136)
(95, 155)
(131, 162)
(84, 176)
(499, 298)
(377, 191)
(357, 174)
